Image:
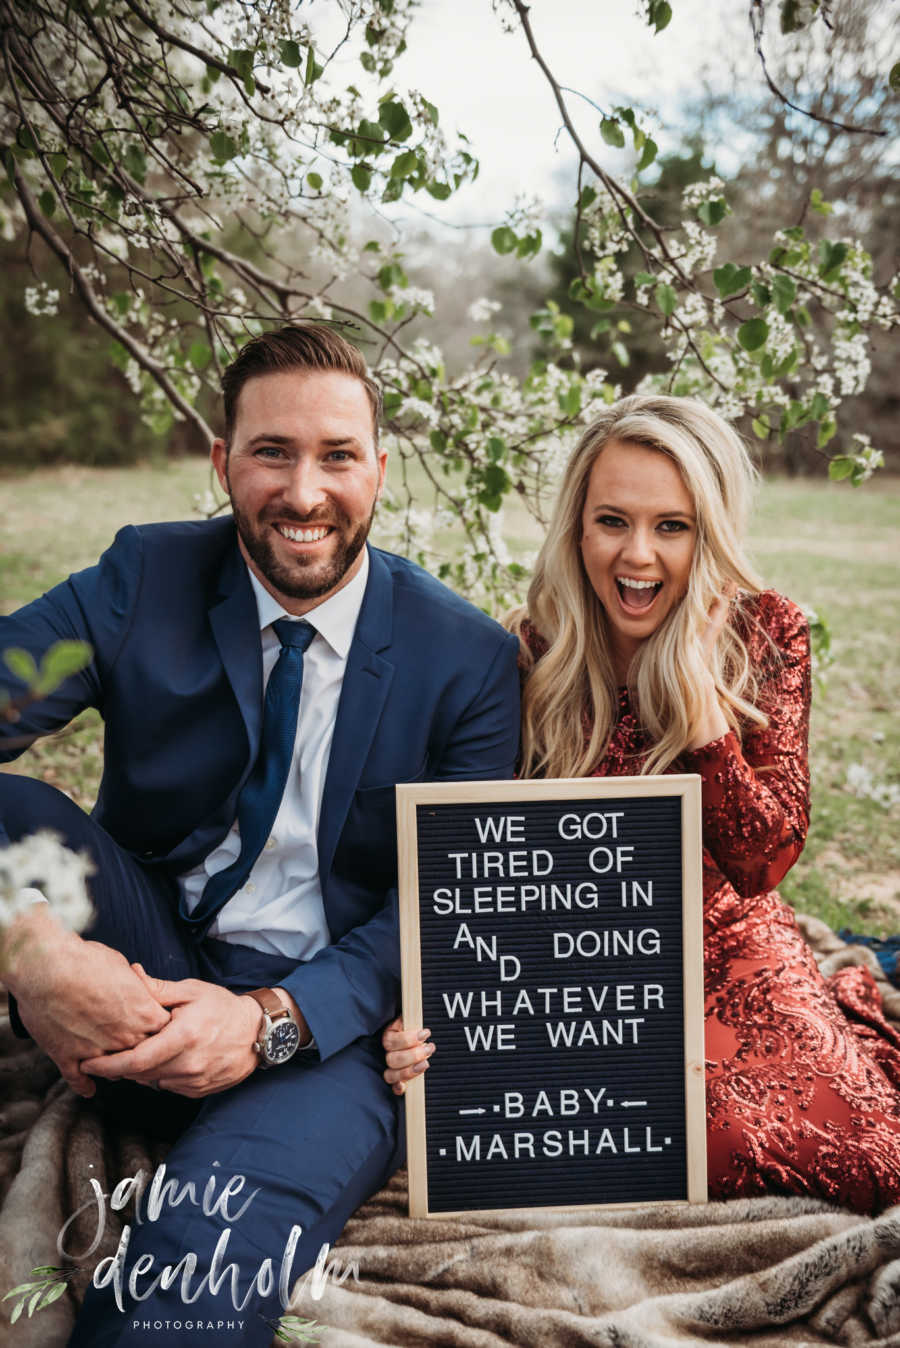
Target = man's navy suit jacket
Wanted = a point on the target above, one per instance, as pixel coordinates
(430, 692)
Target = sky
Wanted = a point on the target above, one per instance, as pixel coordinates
(485, 83)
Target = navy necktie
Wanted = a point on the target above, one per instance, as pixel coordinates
(264, 788)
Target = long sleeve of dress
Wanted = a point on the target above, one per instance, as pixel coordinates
(756, 793)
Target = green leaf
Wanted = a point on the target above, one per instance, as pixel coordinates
(290, 54)
(612, 133)
(648, 154)
(643, 278)
(666, 298)
(660, 14)
(47, 202)
(762, 295)
(712, 213)
(761, 428)
(367, 61)
(438, 441)
(391, 275)
(22, 1287)
(392, 403)
(503, 239)
(222, 146)
(313, 69)
(17, 1311)
(587, 198)
(199, 354)
(795, 15)
(53, 1294)
(362, 177)
(241, 58)
(315, 181)
(827, 431)
(831, 255)
(840, 467)
(440, 191)
(801, 317)
(784, 292)
(395, 120)
(818, 202)
(894, 78)
(22, 665)
(405, 164)
(753, 334)
(25, 140)
(136, 162)
(530, 246)
(729, 279)
(570, 401)
(819, 407)
(620, 351)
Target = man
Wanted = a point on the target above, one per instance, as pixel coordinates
(244, 955)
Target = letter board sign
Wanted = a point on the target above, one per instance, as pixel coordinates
(551, 939)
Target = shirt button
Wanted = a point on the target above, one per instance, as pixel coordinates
(270, 844)
(250, 888)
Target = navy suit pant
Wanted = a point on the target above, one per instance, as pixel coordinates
(312, 1140)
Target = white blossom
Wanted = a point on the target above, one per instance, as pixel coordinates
(861, 783)
(42, 862)
(482, 309)
(41, 301)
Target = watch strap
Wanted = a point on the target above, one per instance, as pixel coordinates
(270, 1002)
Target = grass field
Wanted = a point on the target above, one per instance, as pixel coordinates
(830, 547)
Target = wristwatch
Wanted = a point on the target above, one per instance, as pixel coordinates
(279, 1034)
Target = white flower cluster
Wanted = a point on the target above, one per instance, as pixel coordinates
(41, 301)
(527, 214)
(692, 312)
(481, 310)
(699, 248)
(850, 352)
(609, 283)
(205, 504)
(42, 862)
(866, 456)
(417, 407)
(862, 784)
(413, 299)
(709, 189)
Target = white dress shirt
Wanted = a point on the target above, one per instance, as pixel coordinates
(279, 907)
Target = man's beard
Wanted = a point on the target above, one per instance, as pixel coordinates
(301, 579)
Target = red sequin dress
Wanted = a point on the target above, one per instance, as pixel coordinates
(803, 1077)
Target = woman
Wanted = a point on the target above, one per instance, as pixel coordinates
(649, 645)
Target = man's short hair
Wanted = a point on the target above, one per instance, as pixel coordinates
(306, 347)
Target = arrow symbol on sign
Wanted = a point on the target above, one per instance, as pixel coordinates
(473, 1111)
(631, 1104)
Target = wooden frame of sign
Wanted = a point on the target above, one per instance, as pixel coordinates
(551, 934)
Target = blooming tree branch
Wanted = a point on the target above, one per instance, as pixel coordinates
(199, 172)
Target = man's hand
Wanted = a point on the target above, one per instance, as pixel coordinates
(407, 1054)
(206, 1047)
(76, 998)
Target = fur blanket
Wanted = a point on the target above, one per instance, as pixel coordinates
(764, 1272)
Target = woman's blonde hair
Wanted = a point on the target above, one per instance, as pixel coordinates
(570, 698)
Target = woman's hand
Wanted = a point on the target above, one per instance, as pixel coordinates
(407, 1054)
(712, 724)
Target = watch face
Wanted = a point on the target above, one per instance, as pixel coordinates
(282, 1041)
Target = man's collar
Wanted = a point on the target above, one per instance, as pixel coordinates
(334, 619)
